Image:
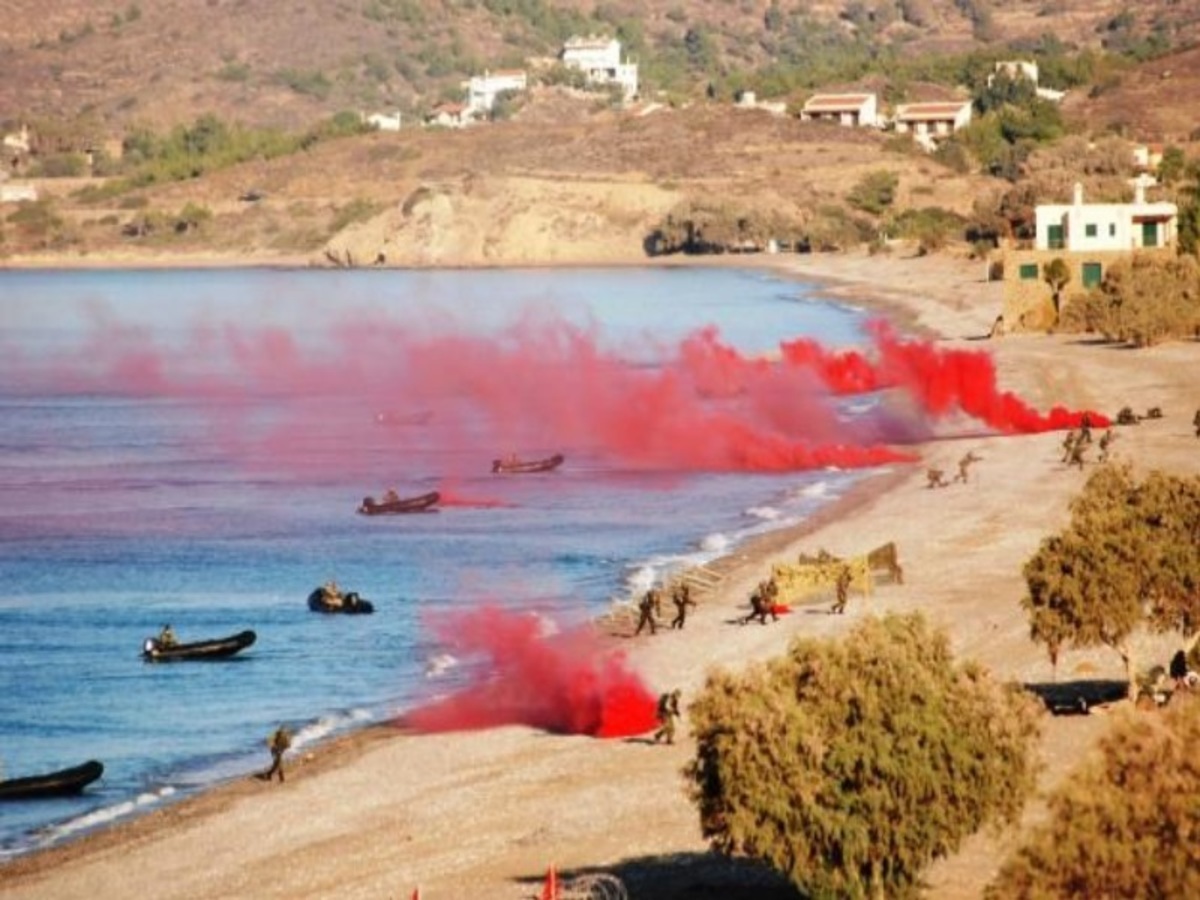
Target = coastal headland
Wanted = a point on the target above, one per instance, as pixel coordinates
(485, 813)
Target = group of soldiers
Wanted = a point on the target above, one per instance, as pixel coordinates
(937, 478)
(1076, 444)
(762, 602)
(650, 607)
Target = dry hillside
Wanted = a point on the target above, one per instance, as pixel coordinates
(288, 62)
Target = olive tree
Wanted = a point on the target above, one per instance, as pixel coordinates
(1126, 823)
(1129, 556)
(1058, 275)
(849, 766)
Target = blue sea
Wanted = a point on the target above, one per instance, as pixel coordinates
(190, 447)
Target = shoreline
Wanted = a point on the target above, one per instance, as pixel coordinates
(475, 814)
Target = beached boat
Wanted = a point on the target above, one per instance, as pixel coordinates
(348, 603)
(54, 784)
(513, 466)
(385, 507)
(217, 648)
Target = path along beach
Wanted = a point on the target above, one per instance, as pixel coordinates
(484, 814)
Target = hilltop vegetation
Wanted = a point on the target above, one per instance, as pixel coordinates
(234, 126)
(286, 64)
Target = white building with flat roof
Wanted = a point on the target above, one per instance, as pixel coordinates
(1082, 227)
(482, 90)
(599, 58)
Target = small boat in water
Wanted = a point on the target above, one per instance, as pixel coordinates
(331, 600)
(155, 650)
(55, 784)
(513, 466)
(391, 505)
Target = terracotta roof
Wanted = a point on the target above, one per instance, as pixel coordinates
(836, 101)
(931, 110)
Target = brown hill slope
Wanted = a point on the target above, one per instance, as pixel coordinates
(287, 63)
(577, 191)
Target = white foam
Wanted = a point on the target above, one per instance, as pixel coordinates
(104, 815)
(327, 725)
(816, 489)
(766, 513)
(715, 543)
(439, 664)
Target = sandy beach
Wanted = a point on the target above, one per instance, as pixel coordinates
(484, 814)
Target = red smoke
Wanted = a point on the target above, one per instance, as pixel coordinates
(941, 380)
(564, 683)
(543, 387)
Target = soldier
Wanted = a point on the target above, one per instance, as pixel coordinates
(964, 464)
(1085, 429)
(935, 478)
(844, 577)
(762, 603)
(668, 712)
(1068, 445)
(1106, 440)
(682, 598)
(1077, 454)
(166, 637)
(647, 608)
(1196, 422)
(278, 743)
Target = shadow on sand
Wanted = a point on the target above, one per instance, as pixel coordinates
(676, 876)
(1066, 698)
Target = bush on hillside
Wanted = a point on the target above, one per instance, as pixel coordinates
(849, 766)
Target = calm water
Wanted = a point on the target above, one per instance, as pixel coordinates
(189, 447)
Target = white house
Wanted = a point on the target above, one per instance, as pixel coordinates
(1088, 238)
(1021, 68)
(749, 100)
(928, 122)
(483, 89)
(1147, 157)
(1090, 227)
(599, 58)
(384, 121)
(17, 193)
(450, 115)
(845, 109)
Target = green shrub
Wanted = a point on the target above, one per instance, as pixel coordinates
(1124, 824)
(850, 766)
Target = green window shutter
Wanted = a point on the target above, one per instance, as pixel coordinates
(1054, 236)
(1093, 274)
(1091, 229)
(1149, 234)
(1028, 271)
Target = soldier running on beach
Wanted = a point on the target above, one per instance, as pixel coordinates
(278, 743)
(647, 608)
(935, 478)
(964, 464)
(844, 578)
(1106, 440)
(762, 603)
(1077, 453)
(1068, 445)
(668, 712)
(682, 598)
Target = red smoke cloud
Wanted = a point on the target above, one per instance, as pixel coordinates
(565, 683)
(941, 380)
(541, 387)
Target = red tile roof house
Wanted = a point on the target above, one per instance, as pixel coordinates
(929, 121)
(845, 109)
